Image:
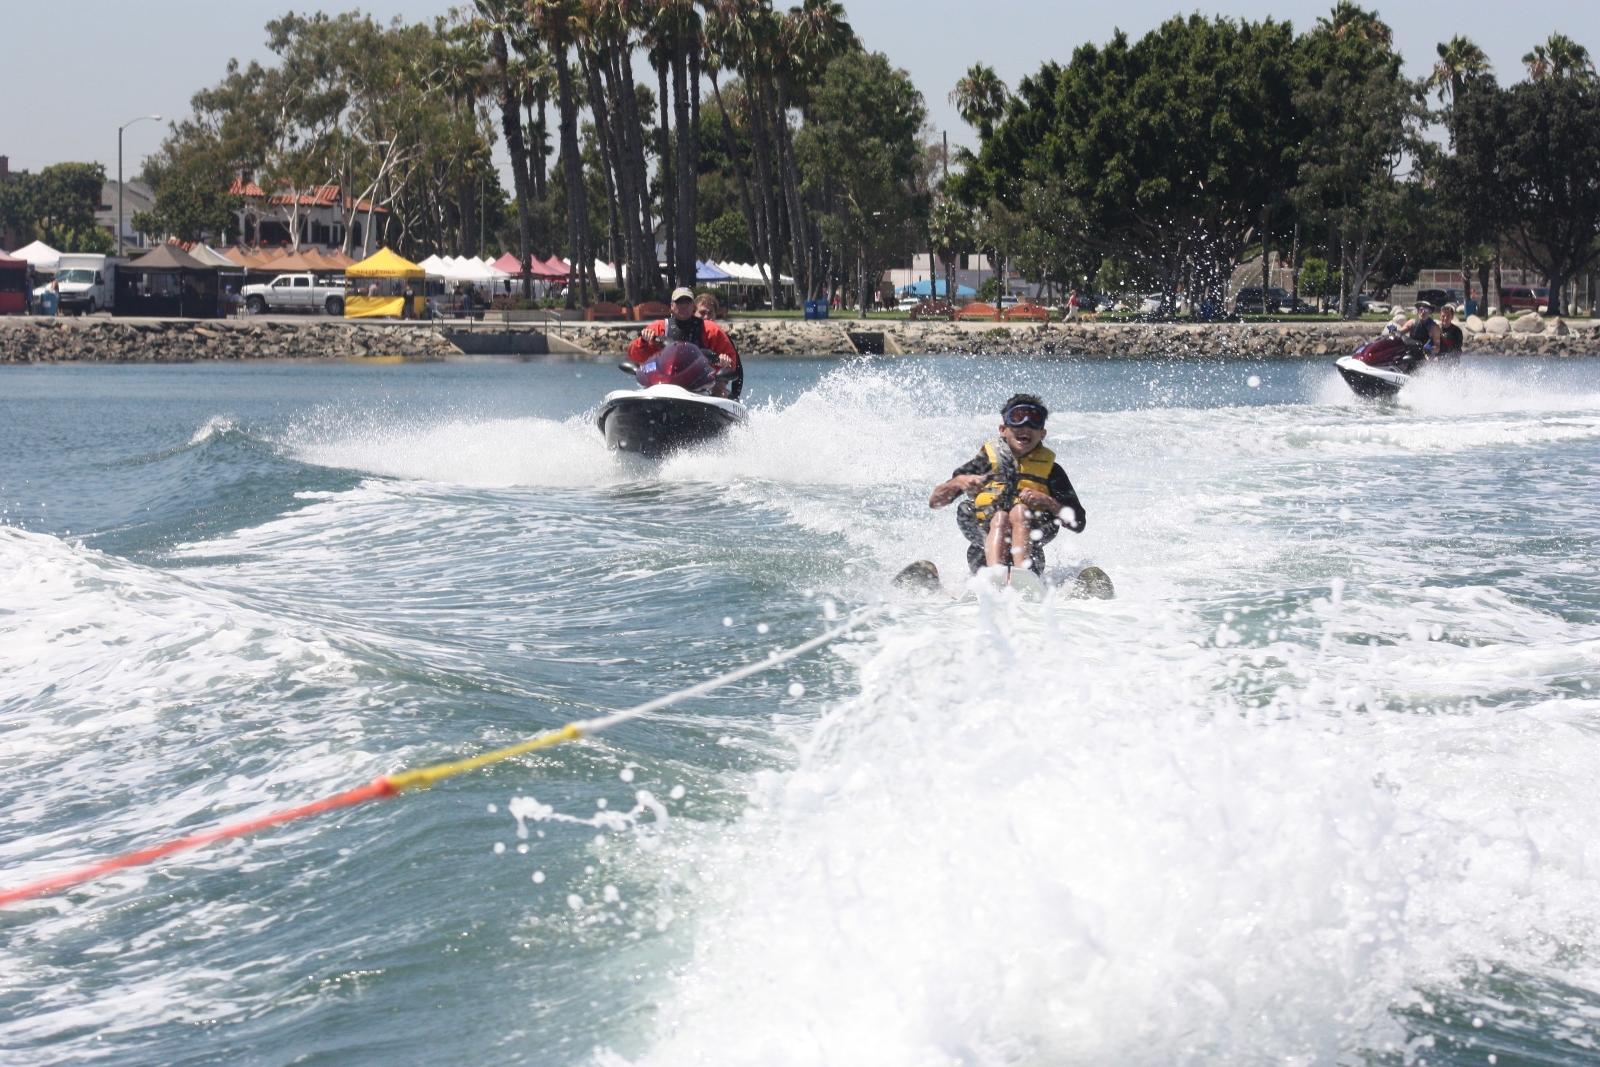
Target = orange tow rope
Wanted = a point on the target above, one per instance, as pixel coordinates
(379, 789)
(419, 778)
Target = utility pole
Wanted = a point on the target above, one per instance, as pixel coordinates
(125, 125)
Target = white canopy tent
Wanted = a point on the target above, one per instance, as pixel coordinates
(212, 258)
(475, 271)
(41, 256)
(745, 276)
(462, 269)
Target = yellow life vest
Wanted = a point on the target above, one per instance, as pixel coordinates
(1032, 472)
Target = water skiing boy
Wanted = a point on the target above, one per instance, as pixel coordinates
(1016, 492)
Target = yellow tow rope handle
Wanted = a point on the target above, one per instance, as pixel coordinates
(426, 777)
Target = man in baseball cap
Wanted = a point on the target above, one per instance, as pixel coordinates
(684, 325)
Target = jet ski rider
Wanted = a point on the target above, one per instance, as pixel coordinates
(1449, 333)
(1421, 331)
(684, 324)
(1017, 491)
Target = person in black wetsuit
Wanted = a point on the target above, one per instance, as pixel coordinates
(1421, 330)
(1450, 338)
(1017, 492)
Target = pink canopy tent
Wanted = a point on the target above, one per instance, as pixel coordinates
(551, 268)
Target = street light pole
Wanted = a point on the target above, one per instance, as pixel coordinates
(125, 125)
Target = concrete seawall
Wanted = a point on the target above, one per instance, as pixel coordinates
(99, 339)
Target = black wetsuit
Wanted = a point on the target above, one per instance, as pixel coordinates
(1421, 332)
(1048, 525)
(1449, 339)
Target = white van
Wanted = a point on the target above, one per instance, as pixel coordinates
(85, 283)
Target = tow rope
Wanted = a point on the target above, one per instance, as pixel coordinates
(420, 778)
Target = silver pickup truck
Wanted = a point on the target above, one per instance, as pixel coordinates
(295, 292)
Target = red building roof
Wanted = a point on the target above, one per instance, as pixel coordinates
(322, 196)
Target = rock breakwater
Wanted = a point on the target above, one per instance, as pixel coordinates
(36, 340)
(63, 340)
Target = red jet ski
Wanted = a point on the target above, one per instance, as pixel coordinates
(675, 404)
(1381, 368)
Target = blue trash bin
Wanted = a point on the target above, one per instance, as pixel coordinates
(48, 302)
(816, 309)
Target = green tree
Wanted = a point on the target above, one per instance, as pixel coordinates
(503, 18)
(980, 99)
(16, 206)
(64, 199)
(1166, 153)
(1369, 125)
(954, 235)
(190, 175)
(1551, 144)
(873, 211)
(1559, 57)
(1468, 179)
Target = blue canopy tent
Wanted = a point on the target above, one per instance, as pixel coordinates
(707, 271)
(921, 288)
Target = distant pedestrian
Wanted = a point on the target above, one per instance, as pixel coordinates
(1072, 306)
(406, 310)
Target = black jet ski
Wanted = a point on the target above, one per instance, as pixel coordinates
(1380, 368)
(674, 405)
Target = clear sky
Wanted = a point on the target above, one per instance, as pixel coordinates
(111, 60)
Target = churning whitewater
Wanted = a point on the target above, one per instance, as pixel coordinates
(1315, 787)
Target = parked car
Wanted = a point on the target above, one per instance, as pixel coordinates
(1253, 300)
(1440, 297)
(1517, 297)
(1290, 304)
(296, 292)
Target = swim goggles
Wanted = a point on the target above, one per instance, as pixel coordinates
(1026, 415)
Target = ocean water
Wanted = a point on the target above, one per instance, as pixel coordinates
(1317, 787)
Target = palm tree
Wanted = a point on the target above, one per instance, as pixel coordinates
(466, 76)
(813, 35)
(1559, 57)
(980, 98)
(1349, 21)
(951, 227)
(747, 32)
(1460, 64)
(674, 37)
(717, 33)
(658, 48)
(501, 16)
(605, 55)
(1459, 61)
(556, 22)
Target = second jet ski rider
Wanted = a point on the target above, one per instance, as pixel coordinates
(1016, 492)
(1421, 331)
(685, 325)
